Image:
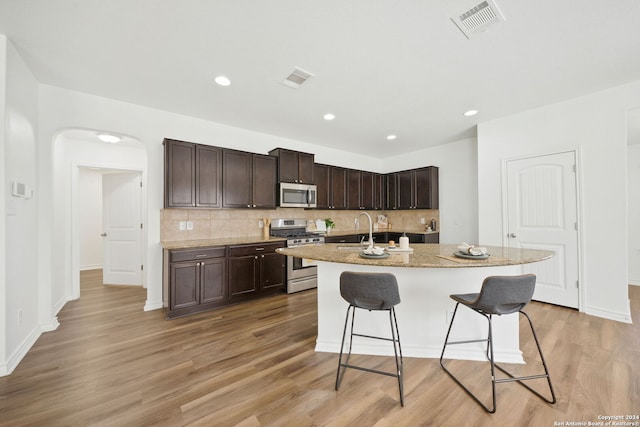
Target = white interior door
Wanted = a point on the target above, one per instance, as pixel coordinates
(542, 214)
(122, 258)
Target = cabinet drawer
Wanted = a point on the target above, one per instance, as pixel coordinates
(197, 254)
(244, 250)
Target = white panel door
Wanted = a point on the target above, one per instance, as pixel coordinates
(122, 229)
(542, 214)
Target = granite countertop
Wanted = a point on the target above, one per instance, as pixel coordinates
(223, 241)
(424, 255)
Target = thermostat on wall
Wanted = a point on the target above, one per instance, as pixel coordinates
(20, 189)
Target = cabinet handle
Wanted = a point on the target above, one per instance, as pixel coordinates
(201, 256)
(255, 257)
(259, 249)
(262, 256)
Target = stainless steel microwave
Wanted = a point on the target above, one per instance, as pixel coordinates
(297, 195)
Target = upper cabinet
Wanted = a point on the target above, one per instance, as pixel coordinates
(331, 182)
(366, 190)
(192, 175)
(294, 166)
(203, 176)
(249, 180)
(413, 189)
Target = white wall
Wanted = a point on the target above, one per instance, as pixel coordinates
(63, 109)
(596, 124)
(633, 157)
(458, 172)
(90, 218)
(20, 314)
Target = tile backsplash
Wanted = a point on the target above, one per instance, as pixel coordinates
(223, 223)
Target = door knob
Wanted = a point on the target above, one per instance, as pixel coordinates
(513, 235)
(104, 234)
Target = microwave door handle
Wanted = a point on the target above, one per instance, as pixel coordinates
(308, 196)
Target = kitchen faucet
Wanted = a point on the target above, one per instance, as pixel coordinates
(370, 228)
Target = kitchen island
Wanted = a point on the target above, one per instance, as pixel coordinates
(426, 277)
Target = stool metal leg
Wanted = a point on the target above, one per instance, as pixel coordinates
(533, 377)
(344, 334)
(395, 335)
(395, 339)
(490, 357)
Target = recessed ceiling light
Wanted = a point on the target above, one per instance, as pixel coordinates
(470, 113)
(107, 137)
(222, 81)
(329, 116)
(391, 137)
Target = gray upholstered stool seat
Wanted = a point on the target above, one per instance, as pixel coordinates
(370, 291)
(499, 295)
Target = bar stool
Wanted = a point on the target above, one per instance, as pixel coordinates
(371, 291)
(499, 295)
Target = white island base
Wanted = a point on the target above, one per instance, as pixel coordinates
(423, 314)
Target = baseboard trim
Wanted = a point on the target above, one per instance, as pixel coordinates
(20, 352)
(606, 314)
(152, 305)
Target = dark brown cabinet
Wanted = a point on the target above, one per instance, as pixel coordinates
(294, 166)
(322, 177)
(413, 189)
(354, 186)
(381, 238)
(331, 182)
(197, 280)
(192, 175)
(255, 270)
(338, 188)
(367, 189)
(202, 279)
(249, 180)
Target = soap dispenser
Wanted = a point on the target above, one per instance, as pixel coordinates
(404, 241)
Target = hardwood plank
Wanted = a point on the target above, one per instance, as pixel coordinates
(254, 364)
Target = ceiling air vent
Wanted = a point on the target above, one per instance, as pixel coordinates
(297, 78)
(479, 18)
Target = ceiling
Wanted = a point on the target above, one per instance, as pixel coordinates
(381, 66)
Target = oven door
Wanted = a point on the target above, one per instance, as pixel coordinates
(299, 268)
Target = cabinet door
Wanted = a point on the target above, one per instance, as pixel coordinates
(272, 271)
(243, 277)
(392, 191)
(306, 170)
(237, 179)
(406, 190)
(179, 163)
(323, 183)
(288, 166)
(213, 281)
(208, 174)
(348, 238)
(338, 194)
(264, 181)
(184, 282)
(378, 191)
(354, 182)
(367, 191)
(426, 188)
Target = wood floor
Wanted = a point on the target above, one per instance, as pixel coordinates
(112, 364)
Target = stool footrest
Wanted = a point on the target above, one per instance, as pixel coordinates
(375, 371)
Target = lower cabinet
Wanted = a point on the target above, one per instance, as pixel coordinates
(197, 279)
(256, 270)
(201, 279)
(380, 238)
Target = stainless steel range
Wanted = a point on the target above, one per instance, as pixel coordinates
(301, 274)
